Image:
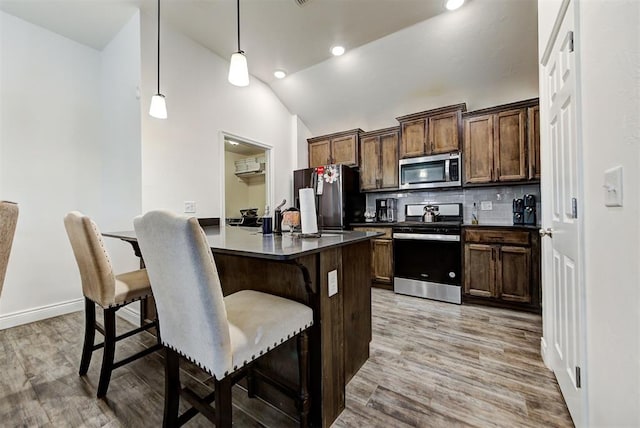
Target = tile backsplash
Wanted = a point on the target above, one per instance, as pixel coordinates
(500, 197)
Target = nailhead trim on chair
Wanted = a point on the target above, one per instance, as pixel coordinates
(126, 302)
(253, 357)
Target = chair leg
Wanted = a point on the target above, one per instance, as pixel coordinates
(303, 370)
(171, 388)
(89, 335)
(223, 402)
(251, 382)
(109, 351)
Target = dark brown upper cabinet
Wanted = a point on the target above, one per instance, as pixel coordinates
(501, 144)
(379, 159)
(338, 148)
(431, 132)
(533, 125)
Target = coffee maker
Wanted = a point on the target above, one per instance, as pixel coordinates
(386, 210)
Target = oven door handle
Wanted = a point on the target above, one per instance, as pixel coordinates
(427, 237)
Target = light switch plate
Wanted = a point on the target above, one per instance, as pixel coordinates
(613, 187)
(333, 282)
(486, 206)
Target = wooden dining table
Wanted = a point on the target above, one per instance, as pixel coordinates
(331, 274)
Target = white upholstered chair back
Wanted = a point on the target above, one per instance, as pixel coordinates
(186, 288)
(8, 221)
(96, 271)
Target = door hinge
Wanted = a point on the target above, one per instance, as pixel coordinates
(578, 379)
(570, 41)
(574, 208)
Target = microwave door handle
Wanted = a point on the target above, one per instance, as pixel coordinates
(446, 170)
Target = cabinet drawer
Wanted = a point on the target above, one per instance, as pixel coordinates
(386, 230)
(494, 236)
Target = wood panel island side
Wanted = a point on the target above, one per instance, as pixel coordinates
(299, 269)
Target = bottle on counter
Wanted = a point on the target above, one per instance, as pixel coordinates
(277, 218)
(474, 214)
(266, 222)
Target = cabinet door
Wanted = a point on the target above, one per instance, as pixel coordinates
(514, 274)
(478, 149)
(479, 270)
(509, 146)
(444, 133)
(319, 153)
(369, 163)
(389, 163)
(344, 150)
(382, 260)
(413, 139)
(533, 142)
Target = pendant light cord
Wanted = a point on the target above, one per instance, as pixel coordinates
(238, 8)
(158, 46)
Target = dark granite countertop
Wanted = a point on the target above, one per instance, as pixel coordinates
(373, 224)
(509, 226)
(248, 241)
(492, 225)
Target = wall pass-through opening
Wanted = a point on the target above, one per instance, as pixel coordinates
(246, 189)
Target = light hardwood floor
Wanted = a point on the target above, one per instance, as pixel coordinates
(432, 365)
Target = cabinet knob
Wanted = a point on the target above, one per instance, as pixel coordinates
(546, 232)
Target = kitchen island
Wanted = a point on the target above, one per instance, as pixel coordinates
(332, 275)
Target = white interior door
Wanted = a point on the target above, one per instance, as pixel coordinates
(562, 190)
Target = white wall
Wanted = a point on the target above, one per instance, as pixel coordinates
(77, 150)
(50, 143)
(300, 144)
(120, 153)
(181, 156)
(609, 51)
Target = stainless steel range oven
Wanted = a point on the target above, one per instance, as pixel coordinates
(428, 256)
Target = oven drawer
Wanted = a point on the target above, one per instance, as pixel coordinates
(495, 236)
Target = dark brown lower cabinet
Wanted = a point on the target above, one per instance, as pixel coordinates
(502, 267)
(381, 256)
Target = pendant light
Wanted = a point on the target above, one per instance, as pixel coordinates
(238, 70)
(158, 107)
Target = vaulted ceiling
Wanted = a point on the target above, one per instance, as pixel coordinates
(275, 34)
(402, 56)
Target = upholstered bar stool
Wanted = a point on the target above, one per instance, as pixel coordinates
(8, 221)
(111, 292)
(222, 335)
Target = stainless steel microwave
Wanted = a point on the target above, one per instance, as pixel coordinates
(430, 171)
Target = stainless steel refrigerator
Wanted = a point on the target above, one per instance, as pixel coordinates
(338, 198)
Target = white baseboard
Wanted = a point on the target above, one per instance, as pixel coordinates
(43, 312)
(130, 313)
(543, 353)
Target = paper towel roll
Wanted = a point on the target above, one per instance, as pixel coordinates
(308, 219)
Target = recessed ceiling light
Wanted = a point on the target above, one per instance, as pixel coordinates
(337, 50)
(454, 4)
(233, 143)
(280, 74)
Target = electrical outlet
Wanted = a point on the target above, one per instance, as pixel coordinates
(333, 283)
(486, 206)
(189, 207)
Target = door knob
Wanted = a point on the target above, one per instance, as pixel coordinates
(546, 232)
